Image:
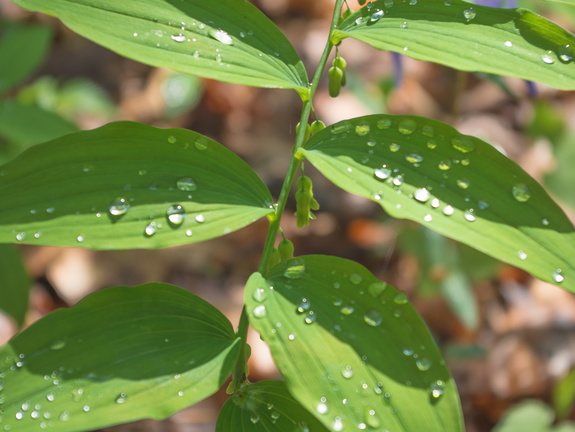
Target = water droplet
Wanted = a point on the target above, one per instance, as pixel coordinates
(119, 207)
(547, 58)
(186, 184)
(373, 318)
(200, 218)
(448, 210)
(421, 195)
(428, 218)
(58, 345)
(260, 295)
(431, 144)
(172, 139)
(400, 298)
(565, 54)
(404, 25)
(121, 398)
(337, 424)
(322, 407)
(50, 210)
(436, 389)
(310, 318)
(355, 278)
(469, 14)
(521, 255)
(382, 173)
(178, 38)
(444, 165)
(21, 236)
(201, 143)
(377, 15)
(427, 130)
(50, 397)
(176, 214)
(558, 276)
(545, 221)
(362, 129)
(483, 204)
(274, 414)
(469, 217)
(521, 192)
(370, 418)
(295, 268)
(398, 181)
(435, 203)
(394, 147)
(65, 416)
(189, 233)
(408, 351)
(414, 158)
(361, 426)
(388, 3)
(303, 306)
(222, 36)
(260, 311)
(346, 310)
(291, 337)
(508, 44)
(340, 128)
(254, 418)
(463, 183)
(462, 144)
(347, 372)
(383, 123)
(80, 238)
(423, 364)
(151, 229)
(406, 127)
(376, 288)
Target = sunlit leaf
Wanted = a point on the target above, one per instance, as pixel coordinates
(121, 354)
(226, 40)
(14, 283)
(457, 185)
(265, 406)
(128, 185)
(351, 349)
(514, 42)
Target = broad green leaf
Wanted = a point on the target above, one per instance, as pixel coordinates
(351, 349)
(128, 185)
(534, 416)
(265, 406)
(457, 185)
(514, 42)
(14, 283)
(564, 394)
(560, 181)
(121, 354)
(22, 48)
(226, 40)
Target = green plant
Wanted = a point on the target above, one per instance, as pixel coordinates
(353, 352)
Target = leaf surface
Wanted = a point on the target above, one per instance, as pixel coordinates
(351, 349)
(265, 406)
(121, 354)
(457, 185)
(225, 40)
(128, 185)
(14, 283)
(513, 42)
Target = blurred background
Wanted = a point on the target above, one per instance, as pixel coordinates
(508, 339)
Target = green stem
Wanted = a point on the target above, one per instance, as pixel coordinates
(240, 367)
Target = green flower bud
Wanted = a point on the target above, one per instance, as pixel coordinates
(316, 126)
(307, 131)
(340, 62)
(286, 249)
(335, 75)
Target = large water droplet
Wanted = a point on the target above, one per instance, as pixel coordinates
(423, 364)
(414, 158)
(295, 269)
(469, 14)
(558, 276)
(444, 165)
(260, 311)
(547, 58)
(373, 318)
(178, 38)
(382, 173)
(521, 192)
(176, 214)
(376, 16)
(383, 123)
(565, 54)
(406, 126)
(462, 144)
(436, 389)
(337, 424)
(376, 288)
(394, 147)
(121, 398)
(222, 36)
(119, 207)
(463, 183)
(400, 298)
(151, 229)
(322, 407)
(355, 278)
(421, 195)
(200, 218)
(186, 184)
(260, 295)
(347, 372)
(303, 306)
(521, 255)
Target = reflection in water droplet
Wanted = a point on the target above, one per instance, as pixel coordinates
(382, 173)
(414, 158)
(421, 195)
(151, 229)
(176, 214)
(428, 217)
(400, 298)
(435, 203)
(383, 123)
(119, 207)
(463, 183)
(186, 184)
(469, 217)
(201, 143)
(427, 131)
(406, 126)
(408, 351)
(172, 139)
(200, 218)
(508, 44)
(337, 424)
(547, 57)
(545, 221)
(221, 36)
(260, 311)
(462, 144)
(376, 288)
(373, 318)
(444, 165)
(189, 233)
(521, 255)
(394, 147)
(254, 418)
(469, 14)
(377, 15)
(521, 192)
(322, 407)
(404, 25)
(121, 398)
(346, 310)
(483, 204)
(362, 129)
(178, 38)
(260, 294)
(448, 210)
(423, 364)
(558, 276)
(436, 389)
(347, 372)
(310, 318)
(291, 337)
(565, 54)
(21, 236)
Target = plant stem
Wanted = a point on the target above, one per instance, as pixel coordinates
(240, 367)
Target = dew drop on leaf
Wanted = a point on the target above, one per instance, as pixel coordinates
(521, 192)
(373, 318)
(172, 139)
(362, 129)
(427, 130)
(469, 217)
(382, 173)
(178, 38)
(186, 184)
(346, 310)
(407, 351)
(176, 214)
(222, 37)
(421, 195)
(254, 418)
(189, 233)
(200, 218)
(355, 278)
(295, 269)
(201, 144)
(428, 218)
(310, 318)
(383, 124)
(463, 183)
(423, 364)
(469, 14)
(414, 158)
(337, 424)
(558, 276)
(436, 389)
(119, 207)
(260, 311)
(291, 337)
(376, 16)
(448, 210)
(394, 147)
(260, 294)
(521, 255)
(303, 306)
(347, 372)
(400, 298)
(121, 398)
(322, 407)
(376, 288)
(462, 144)
(406, 127)
(547, 58)
(151, 229)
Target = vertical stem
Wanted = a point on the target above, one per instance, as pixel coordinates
(241, 365)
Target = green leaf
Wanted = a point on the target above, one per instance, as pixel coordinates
(14, 283)
(121, 354)
(22, 48)
(352, 350)
(534, 416)
(226, 40)
(457, 185)
(564, 394)
(560, 181)
(265, 406)
(514, 42)
(128, 185)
